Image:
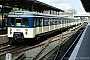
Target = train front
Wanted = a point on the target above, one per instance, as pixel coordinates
(20, 26)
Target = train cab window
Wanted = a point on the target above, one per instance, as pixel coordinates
(11, 21)
(25, 22)
(18, 21)
(22, 22)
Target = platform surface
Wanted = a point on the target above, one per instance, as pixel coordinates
(82, 49)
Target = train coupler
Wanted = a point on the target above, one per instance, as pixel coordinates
(18, 36)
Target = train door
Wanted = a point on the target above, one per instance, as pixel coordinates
(65, 22)
(49, 23)
(38, 25)
(61, 23)
(41, 25)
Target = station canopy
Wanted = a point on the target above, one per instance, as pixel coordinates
(86, 5)
(29, 4)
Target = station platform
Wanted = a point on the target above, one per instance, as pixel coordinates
(82, 49)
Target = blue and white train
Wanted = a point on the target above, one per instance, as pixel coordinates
(26, 24)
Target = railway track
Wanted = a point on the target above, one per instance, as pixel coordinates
(3, 45)
(66, 55)
(40, 51)
(13, 49)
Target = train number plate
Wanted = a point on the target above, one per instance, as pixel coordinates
(17, 29)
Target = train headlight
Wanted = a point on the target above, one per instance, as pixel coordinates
(10, 31)
(26, 32)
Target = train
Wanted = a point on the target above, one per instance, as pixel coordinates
(28, 25)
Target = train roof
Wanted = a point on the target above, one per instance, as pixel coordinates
(22, 13)
(31, 13)
(36, 14)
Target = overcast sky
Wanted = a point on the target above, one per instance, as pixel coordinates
(65, 4)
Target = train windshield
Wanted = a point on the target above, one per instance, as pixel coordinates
(19, 22)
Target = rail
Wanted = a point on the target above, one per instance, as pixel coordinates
(59, 50)
(72, 45)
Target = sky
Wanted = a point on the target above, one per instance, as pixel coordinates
(65, 4)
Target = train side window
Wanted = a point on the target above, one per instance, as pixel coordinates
(69, 20)
(50, 21)
(59, 21)
(12, 21)
(62, 21)
(25, 22)
(55, 21)
(46, 22)
(65, 21)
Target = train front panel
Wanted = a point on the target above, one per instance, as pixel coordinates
(18, 25)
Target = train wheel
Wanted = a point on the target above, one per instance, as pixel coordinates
(38, 39)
